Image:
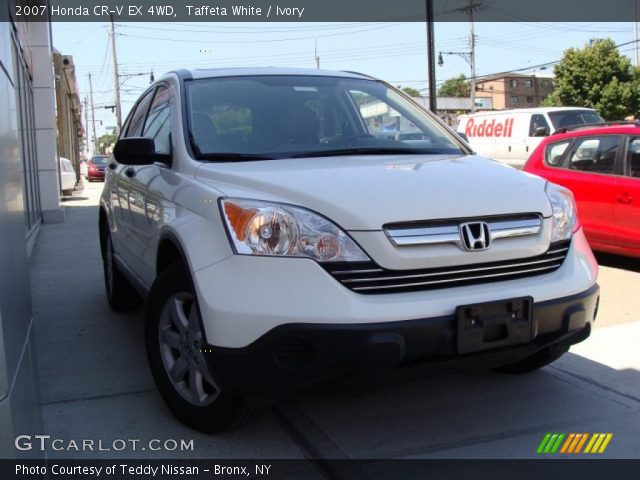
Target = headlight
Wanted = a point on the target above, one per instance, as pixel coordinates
(565, 218)
(265, 228)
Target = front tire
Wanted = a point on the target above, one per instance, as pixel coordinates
(175, 341)
(536, 361)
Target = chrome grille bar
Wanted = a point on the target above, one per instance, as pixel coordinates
(370, 278)
(449, 233)
(452, 272)
(449, 280)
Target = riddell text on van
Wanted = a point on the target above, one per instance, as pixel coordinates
(489, 129)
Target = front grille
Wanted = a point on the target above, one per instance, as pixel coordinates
(370, 278)
(448, 231)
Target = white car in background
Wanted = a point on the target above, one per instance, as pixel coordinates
(510, 136)
(283, 241)
(67, 176)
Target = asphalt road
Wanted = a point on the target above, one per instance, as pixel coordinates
(95, 382)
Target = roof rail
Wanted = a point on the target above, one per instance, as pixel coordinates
(572, 128)
(358, 73)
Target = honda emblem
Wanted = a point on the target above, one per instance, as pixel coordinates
(475, 236)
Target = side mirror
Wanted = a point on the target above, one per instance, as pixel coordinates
(463, 136)
(541, 132)
(138, 151)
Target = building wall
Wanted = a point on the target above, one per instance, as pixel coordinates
(28, 196)
(524, 92)
(68, 110)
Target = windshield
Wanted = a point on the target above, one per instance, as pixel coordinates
(568, 118)
(261, 117)
(99, 160)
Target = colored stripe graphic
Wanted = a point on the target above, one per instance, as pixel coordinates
(556, 443)
(598, 443)
(593, 439)
(550, 443)
(607, 439)
(567, 443)
(581, 443)
(543, 443)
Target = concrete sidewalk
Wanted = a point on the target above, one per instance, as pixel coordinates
(96, 384)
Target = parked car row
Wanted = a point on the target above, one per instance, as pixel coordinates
(601, 166)
(576, 148)
(510, 136)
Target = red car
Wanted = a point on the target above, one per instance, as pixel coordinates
(600, 164)
(96, 166)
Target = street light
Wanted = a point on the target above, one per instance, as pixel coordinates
(467, 57)
(127, 76)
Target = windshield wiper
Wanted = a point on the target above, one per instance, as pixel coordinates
(226, 156)
(360, 151)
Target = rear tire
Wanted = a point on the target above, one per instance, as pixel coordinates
(536, 361)
(174, 338)
(120, 294)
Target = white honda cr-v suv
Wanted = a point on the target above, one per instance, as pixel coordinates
(290, 228)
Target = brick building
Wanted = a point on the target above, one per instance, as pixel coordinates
(514, 90)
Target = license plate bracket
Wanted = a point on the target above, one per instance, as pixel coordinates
(484, 326)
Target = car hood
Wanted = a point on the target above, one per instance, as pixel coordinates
(366, 192)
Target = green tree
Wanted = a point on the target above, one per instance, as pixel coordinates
(455, 87)
(597, 76)
(412, 92)
(106, 142)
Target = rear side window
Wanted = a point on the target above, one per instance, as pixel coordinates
(137, 119)
(568, 118)
(633, 158)
(595, 154)
(158, 124)
(554, 152)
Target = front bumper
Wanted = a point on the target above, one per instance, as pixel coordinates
(96, 175)
(243, 297)
(298, 355)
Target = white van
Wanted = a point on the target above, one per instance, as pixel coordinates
(510, 136)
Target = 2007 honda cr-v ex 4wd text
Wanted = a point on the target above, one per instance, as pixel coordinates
(290, 228)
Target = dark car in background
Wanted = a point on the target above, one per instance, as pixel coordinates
(96, 166)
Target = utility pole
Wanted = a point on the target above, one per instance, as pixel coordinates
(431, 58)
(472, 45)
(317, 58)
(471, 9)
(86, 126)
(116, 82)
(634, 16)
(93, 116)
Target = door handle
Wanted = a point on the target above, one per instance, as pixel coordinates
(625, 198)
(113, 166)
(130, 172)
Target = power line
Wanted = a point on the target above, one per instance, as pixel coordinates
(272, 40)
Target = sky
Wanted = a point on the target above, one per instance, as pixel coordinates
(394, 52)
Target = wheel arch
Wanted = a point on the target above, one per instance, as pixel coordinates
(103, 226)
(170, 251)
